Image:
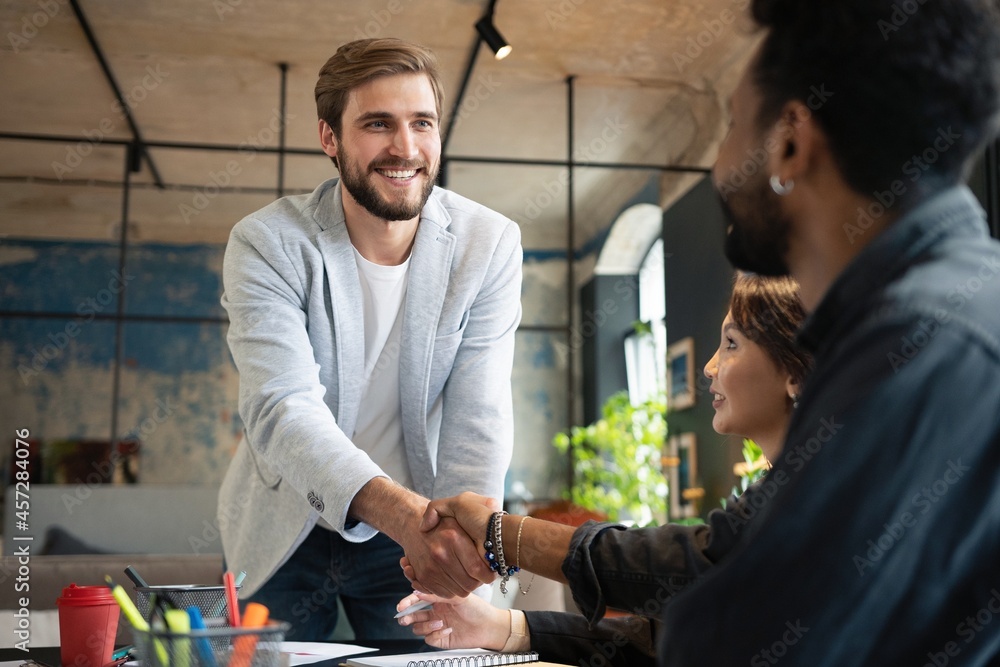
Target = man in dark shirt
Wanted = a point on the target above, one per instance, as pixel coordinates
(875, 538)
(881, 543)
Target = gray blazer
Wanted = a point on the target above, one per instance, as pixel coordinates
(297, 336)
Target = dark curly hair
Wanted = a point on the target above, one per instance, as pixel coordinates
(912, 87)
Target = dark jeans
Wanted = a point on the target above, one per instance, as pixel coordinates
(365, 575)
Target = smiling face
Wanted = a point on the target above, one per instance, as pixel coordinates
(389, 148)
(750, 391)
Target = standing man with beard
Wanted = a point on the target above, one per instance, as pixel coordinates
(372, 323)
(879, 543)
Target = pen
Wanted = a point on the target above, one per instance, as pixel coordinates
(134, 617)
(163, 605)
(118, 662)
(420, 606)
(154, 601)
(204, 648)
(221, 605)
(122, 652)
(231, 600)
(134, 576)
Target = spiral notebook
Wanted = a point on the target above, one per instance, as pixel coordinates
(454, 658)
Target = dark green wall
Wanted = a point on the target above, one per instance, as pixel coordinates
(610, 306)
(698, 280)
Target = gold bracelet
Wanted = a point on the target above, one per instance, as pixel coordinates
(518, 556)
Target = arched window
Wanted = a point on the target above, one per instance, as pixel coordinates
(634, 247)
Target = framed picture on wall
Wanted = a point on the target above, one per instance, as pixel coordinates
(681, 463)
(680, 374)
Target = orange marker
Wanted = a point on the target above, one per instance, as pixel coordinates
(254, 616)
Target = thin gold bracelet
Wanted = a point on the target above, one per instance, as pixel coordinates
(518, 556)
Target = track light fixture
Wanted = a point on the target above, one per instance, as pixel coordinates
(490, 34)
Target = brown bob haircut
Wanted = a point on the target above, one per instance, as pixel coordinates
(768, 311)
(356, 63)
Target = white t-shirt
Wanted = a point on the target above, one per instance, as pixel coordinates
(379, 429)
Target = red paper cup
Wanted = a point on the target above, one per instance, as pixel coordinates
(88, 624)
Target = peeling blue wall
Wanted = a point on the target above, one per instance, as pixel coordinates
(178, 385)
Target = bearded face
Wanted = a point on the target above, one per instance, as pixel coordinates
(387, 187)
(388, 145)
(757, 229)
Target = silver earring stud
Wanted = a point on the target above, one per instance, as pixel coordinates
(781, 189)
(795, 401)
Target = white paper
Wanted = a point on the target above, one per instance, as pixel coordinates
(303, 653)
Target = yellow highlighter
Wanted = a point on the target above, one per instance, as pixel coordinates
(134, 617)
(180, 623)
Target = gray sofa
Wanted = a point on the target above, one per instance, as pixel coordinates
(169, 534)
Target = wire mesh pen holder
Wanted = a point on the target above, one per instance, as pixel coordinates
(210, 601)
(214, 647)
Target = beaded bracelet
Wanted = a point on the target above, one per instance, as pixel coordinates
(488, 544)
(491, 557)
(494, 550)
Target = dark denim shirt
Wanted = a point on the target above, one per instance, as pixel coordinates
(880, 544)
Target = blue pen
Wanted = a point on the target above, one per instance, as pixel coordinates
(204, 648)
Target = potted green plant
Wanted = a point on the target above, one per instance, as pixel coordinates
(616, 461)
(752, 468)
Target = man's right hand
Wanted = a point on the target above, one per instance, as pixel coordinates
(546, 544)
(466, 514)
(445, 560)
(471, 510)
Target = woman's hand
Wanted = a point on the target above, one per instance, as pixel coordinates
(468, 622)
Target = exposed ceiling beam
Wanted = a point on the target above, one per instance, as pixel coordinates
(110, 76)
(283, 105)
(470, 65)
